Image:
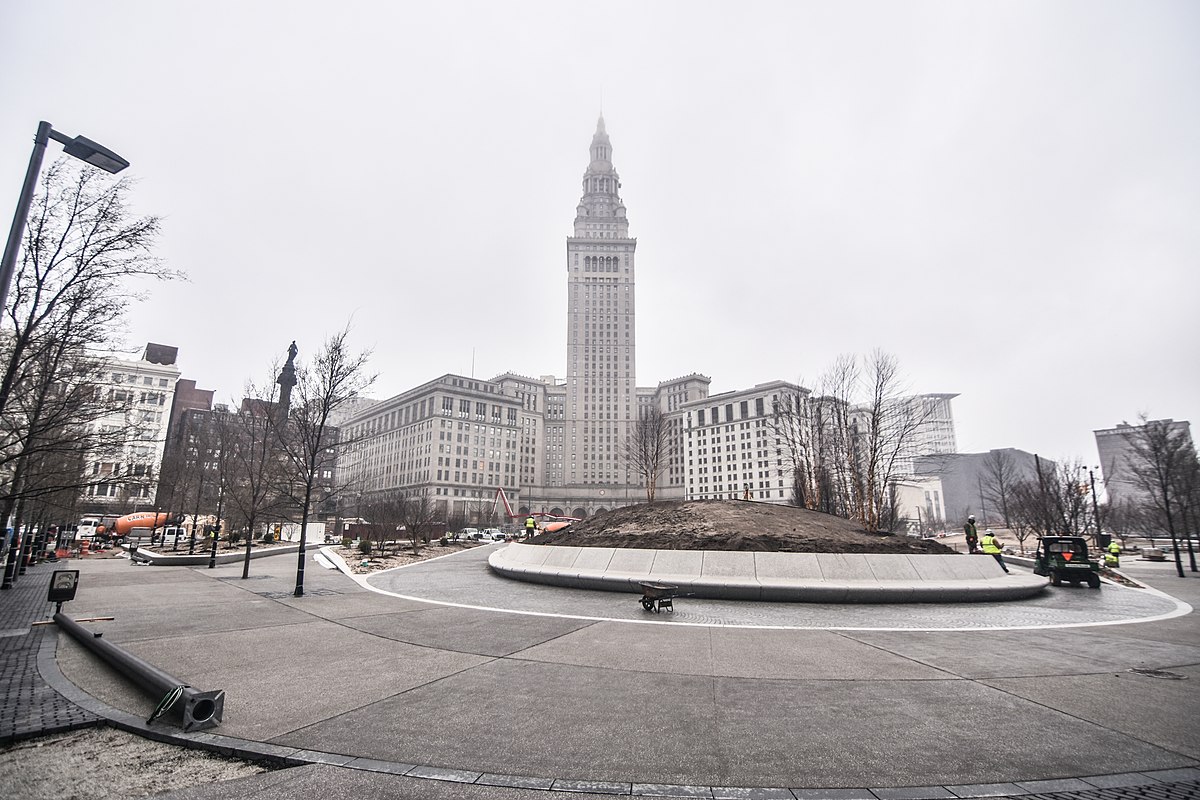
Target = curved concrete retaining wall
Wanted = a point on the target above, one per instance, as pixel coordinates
(797, 577)
(166, 558)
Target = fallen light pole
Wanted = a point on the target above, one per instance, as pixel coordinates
(196, 710)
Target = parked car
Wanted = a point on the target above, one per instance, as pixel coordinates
(495, 534)
(467, 533)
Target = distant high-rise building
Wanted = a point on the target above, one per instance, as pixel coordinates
(601, 385)
(1118, 459)
(969, 483)
(558, 445)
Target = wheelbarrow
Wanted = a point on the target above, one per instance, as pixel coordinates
(657, 596)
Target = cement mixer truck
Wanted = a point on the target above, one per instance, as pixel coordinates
(118, 528)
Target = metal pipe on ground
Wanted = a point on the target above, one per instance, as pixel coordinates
(193, 709)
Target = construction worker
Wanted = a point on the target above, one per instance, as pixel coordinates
(992, 547)
(972, 534)
(1112, 554)
(530, 526)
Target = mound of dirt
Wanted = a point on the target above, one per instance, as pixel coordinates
(732, 525)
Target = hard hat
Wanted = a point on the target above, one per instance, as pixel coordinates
(989, 530)
(972, 516)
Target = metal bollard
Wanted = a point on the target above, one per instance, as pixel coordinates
(196, 710)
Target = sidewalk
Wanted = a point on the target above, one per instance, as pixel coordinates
(28, 705)
(399, 698)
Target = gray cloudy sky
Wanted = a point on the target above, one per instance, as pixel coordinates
(1004, 195)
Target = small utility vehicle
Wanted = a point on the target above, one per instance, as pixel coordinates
(1065, 558)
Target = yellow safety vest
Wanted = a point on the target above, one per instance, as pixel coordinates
(530, 524)
(989, 544)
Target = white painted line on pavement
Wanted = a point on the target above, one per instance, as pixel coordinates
(1181, 608)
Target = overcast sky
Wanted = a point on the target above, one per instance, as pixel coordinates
(1006, 196)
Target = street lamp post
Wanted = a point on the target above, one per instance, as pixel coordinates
(82, 148)
(1095, 504)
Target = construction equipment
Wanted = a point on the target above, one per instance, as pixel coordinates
(1066, 558)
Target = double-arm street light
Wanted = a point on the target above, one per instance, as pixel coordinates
(80, 147)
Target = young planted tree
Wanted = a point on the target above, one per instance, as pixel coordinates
(386, 513)
(887, 428)
(1123, 517)
(793, 425)
(1055, 503)
(249, 464)
(833, 437)
(648, 448)
(309, 443)
(419, 517)
(1165, 469)
(999, 480)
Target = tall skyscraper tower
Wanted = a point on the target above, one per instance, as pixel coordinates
(601, 386)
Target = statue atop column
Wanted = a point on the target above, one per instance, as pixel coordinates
(286, 380)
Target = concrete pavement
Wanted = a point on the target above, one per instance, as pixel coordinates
(471, 684)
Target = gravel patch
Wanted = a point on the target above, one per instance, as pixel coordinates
(108, 763)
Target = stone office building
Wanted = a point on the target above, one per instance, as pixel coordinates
(555, 445)
(141, 391)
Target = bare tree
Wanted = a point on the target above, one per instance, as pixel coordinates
(386, 513)
(81, 250)
(251, 468)
(833, 437)
(1000, 478)
(886, 429)
(1054, 504)
(419, 515)
(648, 448)
(1123, 517)
(335, 377)
(1165, 469)
(799, 437)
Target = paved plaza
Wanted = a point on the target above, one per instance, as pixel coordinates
(442, 679)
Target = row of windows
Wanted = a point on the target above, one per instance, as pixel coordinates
(743, 407)
(147, 380)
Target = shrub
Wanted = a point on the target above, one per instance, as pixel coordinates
(364, 547)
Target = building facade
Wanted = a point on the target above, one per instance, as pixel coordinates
(558, 445)
(933, 431)
(968, 482)
(458, 439)
(1118, 458)
(600, 405)
(142, 392)
(733, 449)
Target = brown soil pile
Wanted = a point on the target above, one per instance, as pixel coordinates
(731, 525)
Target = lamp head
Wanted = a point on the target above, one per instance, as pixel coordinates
(95, 154)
